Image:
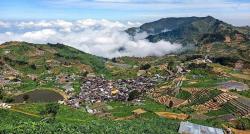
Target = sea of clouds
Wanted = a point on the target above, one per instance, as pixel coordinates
(99, 37)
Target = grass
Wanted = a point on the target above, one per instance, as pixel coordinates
(28, 85)
(123, 73)
(70, 120)
(10, 118)
(75, 116)
(202, 79)
(65, 113)
(245, 93)
(34, 108)
(122, 109)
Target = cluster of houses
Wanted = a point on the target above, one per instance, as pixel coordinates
(98, 89)
(7, 80)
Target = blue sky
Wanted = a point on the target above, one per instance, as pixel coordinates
(236, 12)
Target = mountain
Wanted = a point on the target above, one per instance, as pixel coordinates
(208, 35)
(29, 58)
(190, 30)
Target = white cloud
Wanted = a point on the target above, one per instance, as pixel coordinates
(99, 37)
(42, 35)
(4, 24)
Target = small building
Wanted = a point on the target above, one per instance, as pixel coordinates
(191, 128)
(238, 65)
(32, 77)
(141, 72)
(91, 75)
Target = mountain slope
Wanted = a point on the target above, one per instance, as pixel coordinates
(37, 58)
(189, 30)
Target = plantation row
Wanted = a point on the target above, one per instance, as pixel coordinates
(241, 108)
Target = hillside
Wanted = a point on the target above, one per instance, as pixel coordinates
(54, 88)
(208, 35)
(39, 58)
(189, 30)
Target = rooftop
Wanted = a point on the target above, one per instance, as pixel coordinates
(190, 128)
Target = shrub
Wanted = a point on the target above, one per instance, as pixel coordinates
(1, 93)
(50, 109)
(133, 95)
(8, 99)
(145, 66)
(26, 97)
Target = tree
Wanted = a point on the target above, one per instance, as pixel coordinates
(8, 99)
(145, 67)
(171, 104)
(50, 109)
(241, 126)
(33, 66)
(26, 97)
(171, 65)
(114, 60)
(1, 93)
(133, 95)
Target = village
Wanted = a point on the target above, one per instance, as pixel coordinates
(172, 88)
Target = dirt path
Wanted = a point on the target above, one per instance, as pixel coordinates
(26, 113)
(125, 118)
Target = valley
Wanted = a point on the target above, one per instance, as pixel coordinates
(55, 88)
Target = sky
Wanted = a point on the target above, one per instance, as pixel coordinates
(236, 12)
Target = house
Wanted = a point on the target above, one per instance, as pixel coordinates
(91, 75)
(32, 77)
(238, 65)
(141, 72)
(191, 128)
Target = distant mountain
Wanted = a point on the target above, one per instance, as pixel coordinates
(189, 30)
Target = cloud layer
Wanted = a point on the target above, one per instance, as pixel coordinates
(99, 37)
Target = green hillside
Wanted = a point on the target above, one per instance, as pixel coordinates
(37, 58)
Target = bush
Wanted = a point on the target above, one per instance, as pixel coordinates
(1, 94)
(50, 109)
(26, 97)
(171, 65)
(243, 124)
(133, 95)
(33, 66)
(145, 67)
(8, 99)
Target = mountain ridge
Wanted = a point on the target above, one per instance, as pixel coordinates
(188, 30)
